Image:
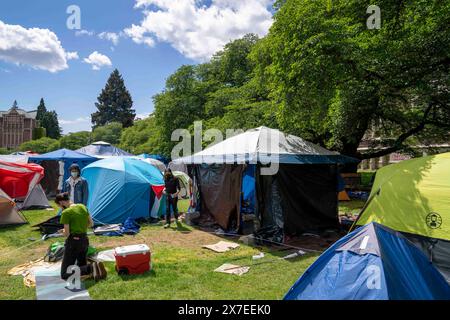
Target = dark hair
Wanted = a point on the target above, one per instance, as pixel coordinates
(75, 166)
(62, 197)
(167, 174)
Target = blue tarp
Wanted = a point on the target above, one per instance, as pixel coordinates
(341, 183)
(68, 156)
(371, 263)
(120, 188)
(248, 190)
(129, 227)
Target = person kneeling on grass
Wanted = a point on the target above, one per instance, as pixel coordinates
(76, 221)
(171, 190)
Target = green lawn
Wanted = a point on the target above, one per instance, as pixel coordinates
(353, 207)
(366, 177)
(181, 268)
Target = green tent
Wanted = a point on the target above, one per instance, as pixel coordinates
(413, 197)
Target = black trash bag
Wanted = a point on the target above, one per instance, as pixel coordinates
(269, 235)
(50, 226)
(272, 212)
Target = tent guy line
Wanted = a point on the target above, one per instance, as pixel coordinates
(27, 245)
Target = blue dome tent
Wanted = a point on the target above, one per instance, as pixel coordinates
(69, 157)
(120, 188)
(371, 263)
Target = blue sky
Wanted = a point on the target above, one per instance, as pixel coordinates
(146, 40)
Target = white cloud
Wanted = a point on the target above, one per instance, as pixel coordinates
(76, 125)
(35, 47)
(111, 36)
(137, 34)
(142, 3)
(83, 32)
(72, 55)
(76, 121)
(197, 30)
(114, 37)
(143, 115)
(98, 60)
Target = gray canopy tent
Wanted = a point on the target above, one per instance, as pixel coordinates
(101, 149)
(294, 182)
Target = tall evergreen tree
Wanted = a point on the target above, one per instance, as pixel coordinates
(48, 120)
(51, 124)
(41, 110)
(114, 103)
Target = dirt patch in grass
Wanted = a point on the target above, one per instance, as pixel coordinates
(188, 238)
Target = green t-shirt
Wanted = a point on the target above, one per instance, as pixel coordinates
(77, 217)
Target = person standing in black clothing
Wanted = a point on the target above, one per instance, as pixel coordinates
(171, 190)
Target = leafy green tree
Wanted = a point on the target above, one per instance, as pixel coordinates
(181, 103)
(242, 107)
(4, 151)
(232, 66)
(109, 133)
(207, 92)
(143, 137)
(76, 140)
(336, 80)
(114, 103)
(321, 74)
(39, 133)
(42, 145)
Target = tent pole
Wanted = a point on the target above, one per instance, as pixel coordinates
(363, 209)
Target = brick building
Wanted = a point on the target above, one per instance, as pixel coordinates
(16, 127)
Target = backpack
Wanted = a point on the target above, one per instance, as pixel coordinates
(55, 252)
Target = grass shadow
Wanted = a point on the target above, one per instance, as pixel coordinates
(8, 228)
(182, 228)
(148, 274)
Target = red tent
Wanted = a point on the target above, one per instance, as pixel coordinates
(17, 179)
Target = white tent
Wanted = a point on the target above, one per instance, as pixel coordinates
(14, 158)
(264, 145)
(158, 164)
(177, 166)
(298, 195)
(101, 149)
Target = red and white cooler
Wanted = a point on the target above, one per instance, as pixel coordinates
(134, 259)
